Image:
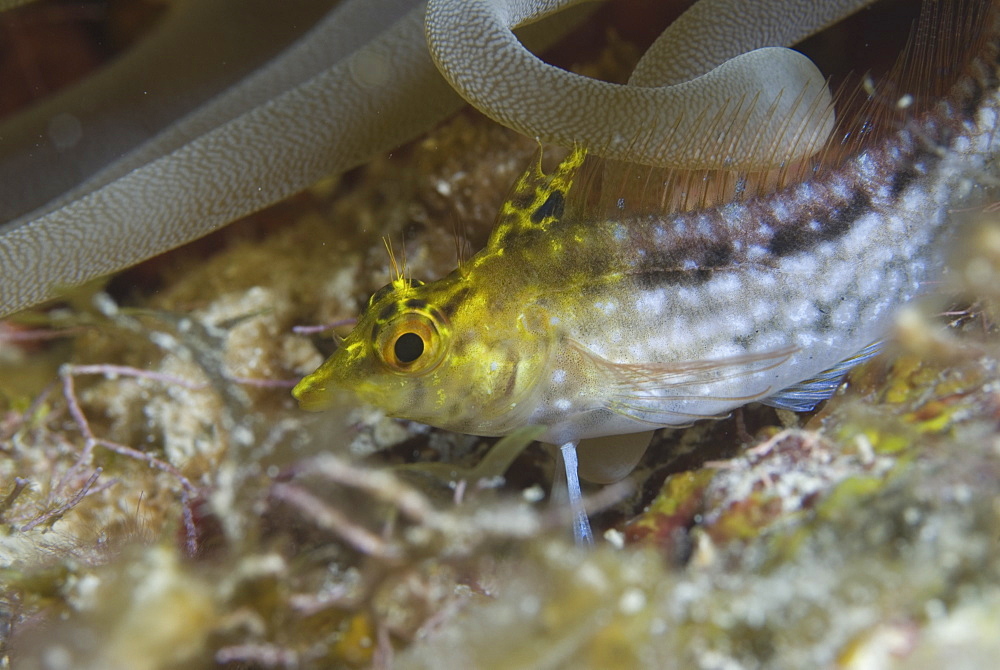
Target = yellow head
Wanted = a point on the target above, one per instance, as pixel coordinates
(449, 353)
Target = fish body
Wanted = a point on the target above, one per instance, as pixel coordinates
(593, 325)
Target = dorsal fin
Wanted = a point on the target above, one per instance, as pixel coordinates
(869, 107)
(536, 200)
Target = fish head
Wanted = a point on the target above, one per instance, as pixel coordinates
(436, 353)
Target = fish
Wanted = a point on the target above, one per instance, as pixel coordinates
(595, 319)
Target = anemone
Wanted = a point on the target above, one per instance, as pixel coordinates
(361, 81)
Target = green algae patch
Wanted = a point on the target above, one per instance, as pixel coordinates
(673, 509)
(849, 494)
(744, 520)
(909, 373)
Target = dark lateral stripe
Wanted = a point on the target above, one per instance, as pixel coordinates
(646, 280)
(801, 235)
(684, 259)
(717, 255)
(975, 98)
(901, 179)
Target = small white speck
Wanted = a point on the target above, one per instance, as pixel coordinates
(841, 189)
(801, 312)
(615, 538)
(592, 576)
(986, 118)
(761, 309)
(739, 326)
(736, 213)
(533, 493)
(562, 404)
(704, 226)
(632, 601)
(867, 166)
(805, 340)
(893, 279)
(801, 264)
(916, 199)
(651, 302)
(559, 376)
(764, 279)
(726, 283)
(845, 314)
(780, 211)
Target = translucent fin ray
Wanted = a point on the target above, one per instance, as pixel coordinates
(644, 392)
(804, 396)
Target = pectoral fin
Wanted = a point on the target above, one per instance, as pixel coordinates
(679, 393)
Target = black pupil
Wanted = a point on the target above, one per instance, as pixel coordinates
(408, 347)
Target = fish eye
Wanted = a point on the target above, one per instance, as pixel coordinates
(411, 343)
(408, 347)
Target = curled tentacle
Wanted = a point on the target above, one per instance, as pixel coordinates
(711, 32)
(362, 82)
(151, 94)
(734, 106)
(372, 99)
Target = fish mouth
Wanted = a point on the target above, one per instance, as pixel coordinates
(313, 394)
